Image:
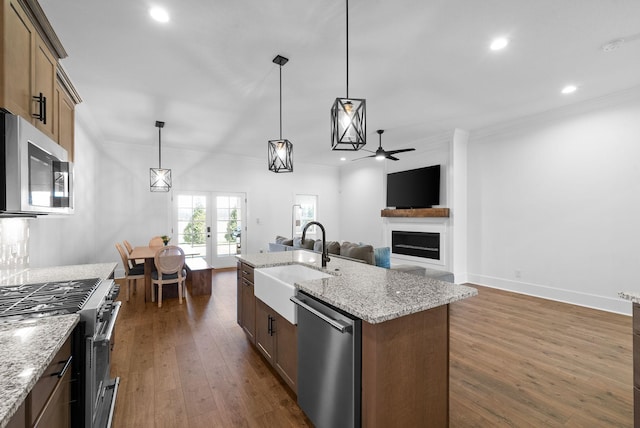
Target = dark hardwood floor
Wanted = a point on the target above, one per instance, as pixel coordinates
(516, 361)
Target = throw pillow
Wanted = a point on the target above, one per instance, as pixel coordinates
(333, 247)
(356, 251)
(383, 257)
(307, 244)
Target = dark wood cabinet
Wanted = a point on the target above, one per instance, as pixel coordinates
(276, 339)
(636, 365)
(248, 301)
(265, 331)
(49, 403)
(286, 351)
(18, 420)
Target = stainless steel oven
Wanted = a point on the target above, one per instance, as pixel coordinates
(99, 316)
(38, 176)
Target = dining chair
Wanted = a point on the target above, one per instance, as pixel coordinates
(156, 241)
(131, 273)
(129, 248)
(169, 261)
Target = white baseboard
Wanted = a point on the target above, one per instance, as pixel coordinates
(604, 303)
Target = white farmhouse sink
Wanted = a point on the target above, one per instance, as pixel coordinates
(275, 285)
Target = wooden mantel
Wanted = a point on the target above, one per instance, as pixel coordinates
(415, 212)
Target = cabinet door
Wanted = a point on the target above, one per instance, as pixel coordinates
(18, 43)
(239, 295)
(49, 403)
(45, 81)
(63, 114)
(286, 354)
(248, 310)
(264, 330)
(57, 412)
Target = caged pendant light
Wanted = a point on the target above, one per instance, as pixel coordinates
(160, 178)
(280, 152)
(348, 116)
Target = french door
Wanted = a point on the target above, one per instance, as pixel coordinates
(210, 225)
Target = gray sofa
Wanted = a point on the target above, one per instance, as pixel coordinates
(363, 253)
(349, 250)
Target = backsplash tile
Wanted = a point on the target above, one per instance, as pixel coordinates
(14, 246)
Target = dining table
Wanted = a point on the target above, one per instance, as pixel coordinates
(147, 253)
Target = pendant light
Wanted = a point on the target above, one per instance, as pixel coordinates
(280, 152)
(348, 116)
(160, 177)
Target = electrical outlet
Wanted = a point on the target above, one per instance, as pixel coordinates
(517, 274)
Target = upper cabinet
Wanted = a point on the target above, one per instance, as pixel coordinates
(32, 82)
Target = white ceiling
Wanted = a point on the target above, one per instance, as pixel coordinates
(424, 67)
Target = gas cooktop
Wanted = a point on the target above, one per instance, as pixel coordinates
(45, 299)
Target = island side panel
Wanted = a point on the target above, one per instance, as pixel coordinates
(636, 365)
(405, 370)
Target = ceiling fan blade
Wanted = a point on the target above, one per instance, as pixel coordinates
(393, 152)
(391, 157)
(364, 157)
(365, 150)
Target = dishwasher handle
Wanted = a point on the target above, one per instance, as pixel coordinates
(338, 325)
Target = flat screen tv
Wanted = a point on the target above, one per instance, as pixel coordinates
(415, 188)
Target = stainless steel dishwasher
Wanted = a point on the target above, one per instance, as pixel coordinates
(329, 363)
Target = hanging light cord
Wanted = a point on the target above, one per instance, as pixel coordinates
(281, 102)
(159, 148)
(347, 48)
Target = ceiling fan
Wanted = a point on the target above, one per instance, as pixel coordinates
(381, 153)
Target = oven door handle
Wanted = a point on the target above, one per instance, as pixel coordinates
(112, 322)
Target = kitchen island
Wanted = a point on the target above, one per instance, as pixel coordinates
(634, 298)
(405, 332)
(29, 347)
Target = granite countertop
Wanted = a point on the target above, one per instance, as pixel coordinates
(27, 347)
(368, 292)
(26, 350)
(633, 296)
(60, 273)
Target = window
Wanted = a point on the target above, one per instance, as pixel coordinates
(229, 225)
(192, 223)
(305, 211)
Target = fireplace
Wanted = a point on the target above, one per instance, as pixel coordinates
(416, 244)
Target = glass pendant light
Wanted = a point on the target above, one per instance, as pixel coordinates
(348, 116)
(160, 177)
(280, 152)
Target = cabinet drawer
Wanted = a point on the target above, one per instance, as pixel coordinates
(47, 382)
(247, 272)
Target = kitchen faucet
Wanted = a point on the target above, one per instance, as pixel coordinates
(325, 251)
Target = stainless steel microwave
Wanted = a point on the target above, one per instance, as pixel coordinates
(37, 174)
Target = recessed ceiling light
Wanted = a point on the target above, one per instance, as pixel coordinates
(499, 43)
(159, 14)
(569, 89)
(343, 159)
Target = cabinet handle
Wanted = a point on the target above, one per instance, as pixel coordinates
(270, 325)
(42, 108)
(65, 368)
